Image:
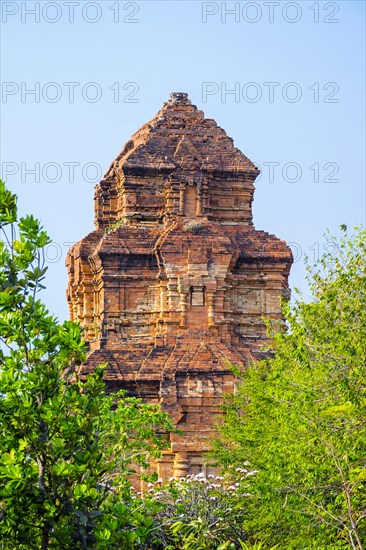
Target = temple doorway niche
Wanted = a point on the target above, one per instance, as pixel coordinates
(197, 296)
(190, 202)
(197, 312)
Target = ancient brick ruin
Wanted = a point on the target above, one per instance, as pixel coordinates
(175, 280)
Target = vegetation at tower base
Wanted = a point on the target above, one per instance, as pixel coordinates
(294, 439)
(300, 416)
(66, 448)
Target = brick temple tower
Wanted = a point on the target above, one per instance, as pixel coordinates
(175, 280)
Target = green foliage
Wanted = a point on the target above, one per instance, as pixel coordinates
(198, 512)
(300, 417)
(115, 225)
(255, 546)
(66, 447)
(193, 226)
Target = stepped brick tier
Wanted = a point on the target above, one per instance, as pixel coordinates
(173, 284)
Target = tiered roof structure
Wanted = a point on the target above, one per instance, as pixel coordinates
(174, 282)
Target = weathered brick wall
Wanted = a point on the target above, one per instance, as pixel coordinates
(175, 280)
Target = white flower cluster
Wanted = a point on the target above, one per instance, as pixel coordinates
(208, 499)
(209, 484)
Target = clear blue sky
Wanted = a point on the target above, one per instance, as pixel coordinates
(269, 53)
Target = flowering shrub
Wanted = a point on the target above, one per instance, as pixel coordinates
(199, 512)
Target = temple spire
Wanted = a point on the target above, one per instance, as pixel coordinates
(175, 281)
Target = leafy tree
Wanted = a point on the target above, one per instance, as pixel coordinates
(67, 448)
(300, 416)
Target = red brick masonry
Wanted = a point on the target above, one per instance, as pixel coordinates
(175, 280)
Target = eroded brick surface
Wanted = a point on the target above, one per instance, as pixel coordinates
(175, 280)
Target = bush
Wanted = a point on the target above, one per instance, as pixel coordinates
(193, 226)
(199, 512)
